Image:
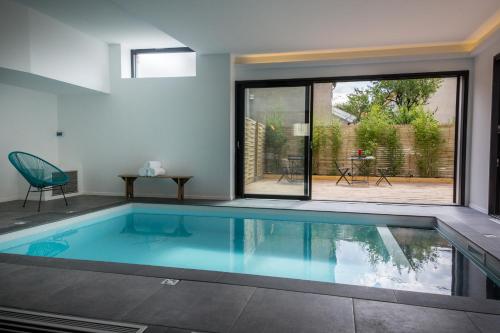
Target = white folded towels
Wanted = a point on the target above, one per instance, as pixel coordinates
(152, 172)
(143, 171)
(151, 169)
(152, 164)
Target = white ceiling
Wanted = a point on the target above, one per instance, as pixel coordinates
(257, 26)
(104, 20)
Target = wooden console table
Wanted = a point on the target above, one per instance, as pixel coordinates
(130, 179)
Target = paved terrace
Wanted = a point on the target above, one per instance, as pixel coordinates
(407, 190)
(206, 301)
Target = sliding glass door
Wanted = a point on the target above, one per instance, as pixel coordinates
(273, 142)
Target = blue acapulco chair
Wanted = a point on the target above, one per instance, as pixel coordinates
(39, 174)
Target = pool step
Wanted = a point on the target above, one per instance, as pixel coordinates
(14, 320)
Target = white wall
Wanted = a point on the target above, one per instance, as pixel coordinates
(481, 123)
(36, 43)
(28, 122)
(184, 122)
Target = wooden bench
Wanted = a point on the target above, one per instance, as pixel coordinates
(130, 179)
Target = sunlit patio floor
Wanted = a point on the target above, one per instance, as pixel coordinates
(403, 190)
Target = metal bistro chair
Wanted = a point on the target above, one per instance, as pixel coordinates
(285, 170)
(343, 172)
(39, 174)
(383, 176)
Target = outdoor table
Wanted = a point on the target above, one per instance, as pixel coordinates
(360, 160)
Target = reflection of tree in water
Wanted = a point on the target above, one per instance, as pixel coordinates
(420, 246)
(369, 238)
(366, 236)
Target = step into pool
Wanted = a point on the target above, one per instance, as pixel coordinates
(396, 252)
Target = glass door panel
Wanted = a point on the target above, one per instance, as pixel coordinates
(276, 142)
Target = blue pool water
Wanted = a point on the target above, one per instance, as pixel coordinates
(351, 249)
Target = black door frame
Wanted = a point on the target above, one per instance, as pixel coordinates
(460, 128)
(493, 198)
(241, 86)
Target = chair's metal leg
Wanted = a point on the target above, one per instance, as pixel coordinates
(40, 200)
(26, 199)
(282, 175)
(343, 175)
(64, 196)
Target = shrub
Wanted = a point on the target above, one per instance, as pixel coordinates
(335, 130)
(326, 136)
(377, 130)
(275, 134)
(428, 142)
(320, 138)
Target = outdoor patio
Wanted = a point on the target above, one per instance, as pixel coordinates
(403, 190)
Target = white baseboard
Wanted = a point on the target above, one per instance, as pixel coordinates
(156, 195)
(478, 208)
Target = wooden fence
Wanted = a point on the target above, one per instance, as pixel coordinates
(255, 134)
(257, 162)
(325, 160)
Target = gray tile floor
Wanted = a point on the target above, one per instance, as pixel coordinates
(230, 302)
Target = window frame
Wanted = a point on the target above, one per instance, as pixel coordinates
(135, 52)
(460, 197)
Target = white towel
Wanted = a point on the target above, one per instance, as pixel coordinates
(152, 172)
(143, 172)
(152, 164)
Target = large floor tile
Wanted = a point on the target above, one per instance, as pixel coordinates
(448, 302)
(25, 287)
(325, 288)
(101, 295)
(485, 322)
(6, 269)
(277, 311)
(374, 317)
(198, 306)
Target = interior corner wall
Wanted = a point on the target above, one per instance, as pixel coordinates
(28, 122)
(34, 43)
(481, 123)
(181, 121)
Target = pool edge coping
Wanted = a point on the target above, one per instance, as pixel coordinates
(460, 303)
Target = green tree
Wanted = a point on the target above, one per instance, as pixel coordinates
(398, 98)
(358, 103)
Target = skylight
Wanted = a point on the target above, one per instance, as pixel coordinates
(170, 62)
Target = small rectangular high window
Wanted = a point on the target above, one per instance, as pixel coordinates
(169, 62)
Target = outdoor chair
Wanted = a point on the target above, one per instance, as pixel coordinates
(285, 170)
(383, 176)
(343, 172)
(39, 173)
